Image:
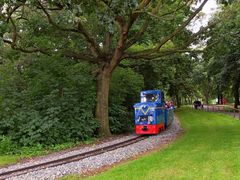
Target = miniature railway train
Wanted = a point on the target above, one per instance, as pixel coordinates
(152, 114)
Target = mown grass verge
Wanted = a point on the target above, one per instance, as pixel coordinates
(209, 149)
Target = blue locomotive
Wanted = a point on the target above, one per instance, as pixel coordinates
(152, 114)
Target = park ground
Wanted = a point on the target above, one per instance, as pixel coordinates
(208, 149)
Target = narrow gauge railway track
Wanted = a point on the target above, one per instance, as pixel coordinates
(69, 159)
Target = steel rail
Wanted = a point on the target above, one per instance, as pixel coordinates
(69, 159)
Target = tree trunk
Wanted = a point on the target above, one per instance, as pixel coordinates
(186, 102)
(206, 98)
(103, 81)
(236, 87)
(189, 100)
(220, 98)
(178, 100)
(207, 90)
(236, 101)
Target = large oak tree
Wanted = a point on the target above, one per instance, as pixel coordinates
(103, 32)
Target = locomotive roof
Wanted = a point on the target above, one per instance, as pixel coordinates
(151, 92)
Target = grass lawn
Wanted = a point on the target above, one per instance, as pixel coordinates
(209, 149)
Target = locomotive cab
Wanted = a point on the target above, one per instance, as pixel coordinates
(151, 116)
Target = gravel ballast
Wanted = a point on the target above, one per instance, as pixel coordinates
(99, 161)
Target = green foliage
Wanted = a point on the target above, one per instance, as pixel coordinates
(120, 119)
(51, 100)
(125, 83)
(97, 17)
(6, 145)
(223, 53)
(203, 81)
(47, 98)
(124, 92)
(172, 74)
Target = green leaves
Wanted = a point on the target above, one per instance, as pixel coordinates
(50, 101)
(124, 92)
(124, 82)
(223, 52)
(6, 145)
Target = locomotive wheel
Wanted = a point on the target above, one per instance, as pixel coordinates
(159, 130)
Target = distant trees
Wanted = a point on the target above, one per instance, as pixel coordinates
(203, 81)
(223, 52)
(173, 75)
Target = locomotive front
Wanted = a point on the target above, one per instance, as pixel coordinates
(149, 113)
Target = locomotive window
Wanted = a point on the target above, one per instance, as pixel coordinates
(143, 118)
(151, 97)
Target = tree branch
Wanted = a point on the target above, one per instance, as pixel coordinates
(179, 7)
(136, 37)
(79, 56)
(160, 55)
(107, 42)
(67, 53)
(124, 27)
(201, 31)
(90, 39)
(143, 4)
(149, 52)
(14, 36)
(93, 45)
(52, 22)
(183, 48)
(181, 27)
(154, 12)
(13, 42)
(11, 9)
(24, 50)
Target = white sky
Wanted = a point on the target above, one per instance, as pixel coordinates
(208, 10)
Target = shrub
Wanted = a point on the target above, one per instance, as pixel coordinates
(124, 92)
(6, 145)
(49, 102)
(120, 119)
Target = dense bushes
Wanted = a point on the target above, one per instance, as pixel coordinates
(6, 145)
(51, 100)
(124, 92)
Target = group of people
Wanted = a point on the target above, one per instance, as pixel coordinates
(169, 104)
